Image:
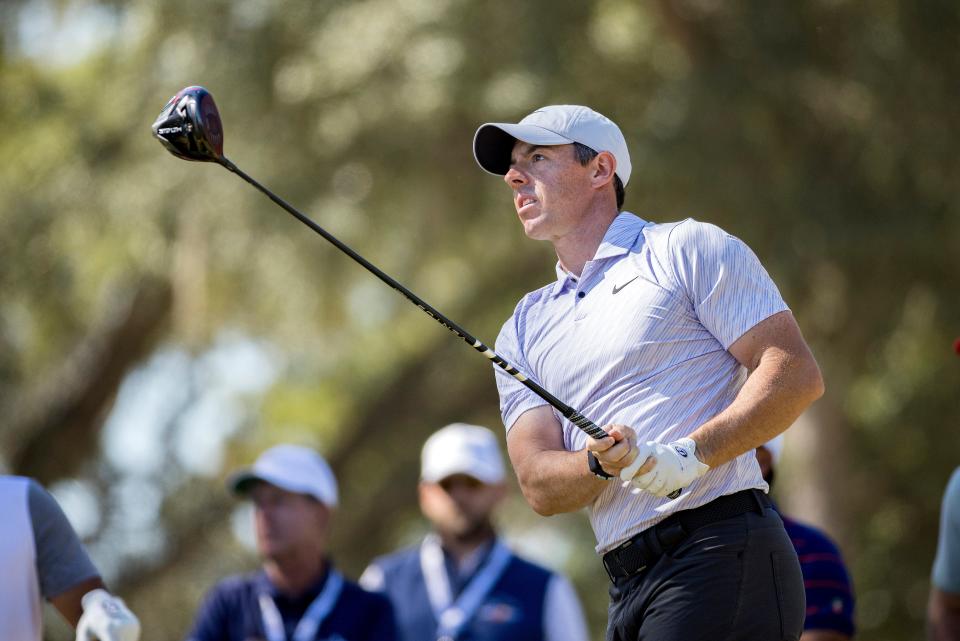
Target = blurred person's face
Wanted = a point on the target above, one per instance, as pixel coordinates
(288, 524)
(460, 506)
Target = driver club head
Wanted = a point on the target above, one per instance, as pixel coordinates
(189, 126)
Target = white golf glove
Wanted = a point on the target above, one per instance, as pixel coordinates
(106, 618)
(675, 468)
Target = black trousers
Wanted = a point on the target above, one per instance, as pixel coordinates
(736, 579)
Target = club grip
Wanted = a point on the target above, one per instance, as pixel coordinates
(585, 424)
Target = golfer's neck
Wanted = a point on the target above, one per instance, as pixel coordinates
(575, 249)
(294, 575)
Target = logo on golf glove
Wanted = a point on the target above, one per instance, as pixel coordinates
(106, 618)
(676, 467)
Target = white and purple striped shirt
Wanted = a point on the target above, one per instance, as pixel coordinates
(641, 339)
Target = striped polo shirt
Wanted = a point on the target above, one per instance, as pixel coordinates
(641, 339)
(826, 581)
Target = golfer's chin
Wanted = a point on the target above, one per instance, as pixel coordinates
(535, 228)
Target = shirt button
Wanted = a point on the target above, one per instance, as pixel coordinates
(581, 294)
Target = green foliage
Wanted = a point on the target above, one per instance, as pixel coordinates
(821, 133)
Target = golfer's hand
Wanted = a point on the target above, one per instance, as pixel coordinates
(670, 467)
(106, 618)
(617, 451)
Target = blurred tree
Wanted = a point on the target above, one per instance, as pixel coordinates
(162, 323)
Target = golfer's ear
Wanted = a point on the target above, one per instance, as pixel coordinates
(605, 166)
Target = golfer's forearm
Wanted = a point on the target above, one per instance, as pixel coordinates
(773, 397)
(552, 479)
(553, 482)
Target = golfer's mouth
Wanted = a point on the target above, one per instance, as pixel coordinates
(525, 203)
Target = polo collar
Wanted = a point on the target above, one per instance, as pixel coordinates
(619, 239)
(265, 585)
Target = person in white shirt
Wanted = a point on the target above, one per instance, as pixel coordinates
(42, 557)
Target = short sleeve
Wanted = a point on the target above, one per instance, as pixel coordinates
(62, 561)
(515, 397)
(728, 288)
(946, 566)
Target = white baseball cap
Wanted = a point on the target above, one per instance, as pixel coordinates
(460, 448)
(293, 468)
(551, 125)
(775, 447)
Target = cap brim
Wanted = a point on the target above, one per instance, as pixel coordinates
(493, 143)
(243, 481)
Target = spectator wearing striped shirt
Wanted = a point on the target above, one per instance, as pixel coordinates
(676, 341)
(826, 582)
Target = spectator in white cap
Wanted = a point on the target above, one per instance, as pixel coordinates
(462, 582)
(827, 584)
(673, 338)
(298, 594)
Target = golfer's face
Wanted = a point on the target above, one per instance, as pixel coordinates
(550, 189)
(287, 522)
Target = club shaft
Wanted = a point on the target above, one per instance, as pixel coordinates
(585, 424)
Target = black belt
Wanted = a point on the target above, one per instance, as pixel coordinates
(644, 548)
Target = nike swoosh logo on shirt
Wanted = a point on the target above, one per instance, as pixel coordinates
(617, 289)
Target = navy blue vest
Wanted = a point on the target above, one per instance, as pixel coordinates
(511, 611)
(231, 612)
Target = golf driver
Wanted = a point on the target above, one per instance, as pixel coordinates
(189, 127)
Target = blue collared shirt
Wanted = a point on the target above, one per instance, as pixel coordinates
(641, 338)
(231, 612)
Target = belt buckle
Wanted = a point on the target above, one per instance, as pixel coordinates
(614, 565)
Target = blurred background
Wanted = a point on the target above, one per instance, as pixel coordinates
(161, 322)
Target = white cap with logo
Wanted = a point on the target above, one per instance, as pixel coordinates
(293, 468)
(462, 449)
(551, 125)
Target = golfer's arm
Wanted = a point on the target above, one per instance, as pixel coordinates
(552, 479)
(784, 380)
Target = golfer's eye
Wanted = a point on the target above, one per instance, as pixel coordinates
(538, 157)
